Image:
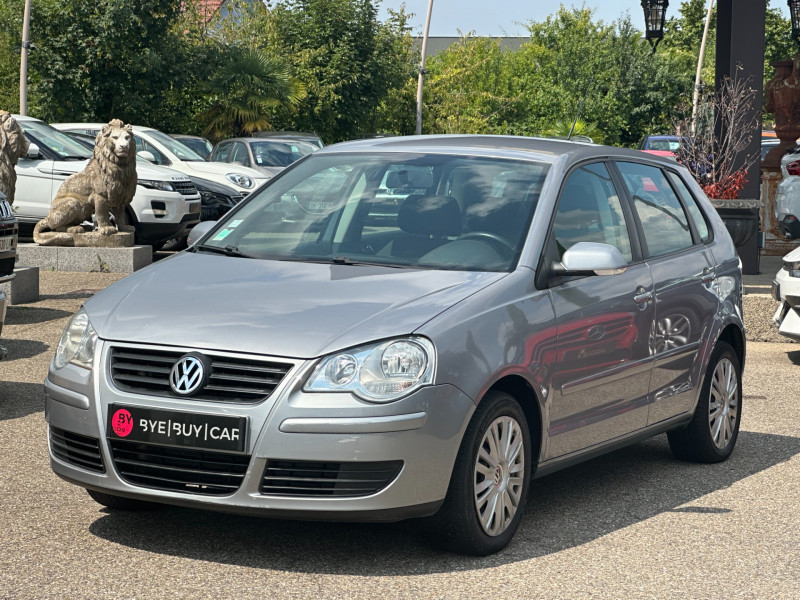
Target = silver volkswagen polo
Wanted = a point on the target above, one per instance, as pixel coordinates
(409, 327)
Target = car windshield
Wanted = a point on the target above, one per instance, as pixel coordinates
(279, 153)
(179, 149)
(54, 140)
(392, 209)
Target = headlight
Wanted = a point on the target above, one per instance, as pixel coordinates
(379, 372)
(154, 184)
(240, 180)
(792, 267)
(77, 343)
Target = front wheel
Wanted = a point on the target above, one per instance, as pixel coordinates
(490, 480)
(712, 432)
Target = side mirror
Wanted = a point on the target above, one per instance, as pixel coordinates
(198, 231)
(33, 151)
(589, 258)
(147, 155)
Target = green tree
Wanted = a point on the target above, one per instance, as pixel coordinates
(105, 59)
(246, 92)
(346, 59)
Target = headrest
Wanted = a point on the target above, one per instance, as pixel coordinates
(430, 215)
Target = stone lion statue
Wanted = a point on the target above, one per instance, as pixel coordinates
(105, 187)
(13, 144)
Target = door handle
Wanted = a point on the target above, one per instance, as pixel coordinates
(643, 297)
(709, 277)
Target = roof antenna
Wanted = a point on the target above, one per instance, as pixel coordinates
(580, 108)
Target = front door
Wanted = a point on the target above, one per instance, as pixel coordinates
(603, 324)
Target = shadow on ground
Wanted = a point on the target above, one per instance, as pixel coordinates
(21, 349)
(565, 510)
(28, 315)
(794, 356)
(19, 399)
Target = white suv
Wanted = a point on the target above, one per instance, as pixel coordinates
(162, 149)
(165, 206)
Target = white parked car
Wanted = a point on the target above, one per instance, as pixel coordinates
(787, 198)
(786, 289)
(162, 149)
(166, 204)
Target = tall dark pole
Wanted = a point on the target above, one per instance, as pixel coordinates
(740, 42)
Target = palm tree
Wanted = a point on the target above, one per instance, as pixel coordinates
(245, 93)
(562, 127)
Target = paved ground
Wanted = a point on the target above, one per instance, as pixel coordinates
(633, 524)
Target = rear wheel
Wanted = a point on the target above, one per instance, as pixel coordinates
(711, 435)
(490, 480)
(119, 502)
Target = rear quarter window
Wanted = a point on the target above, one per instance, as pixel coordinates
(690, 203)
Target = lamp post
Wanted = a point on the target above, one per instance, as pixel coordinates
(23, 63)
(422, 70)
(655, 12)
(794, 12)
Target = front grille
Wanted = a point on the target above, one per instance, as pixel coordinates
(6, 212)
(307, 478)
(186, 188)
(178, 469)
(78, 450)
(146, 371)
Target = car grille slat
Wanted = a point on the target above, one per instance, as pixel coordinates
(232, 379)
(308, 478)
(185, 188)
(179, 469)
(79, 450)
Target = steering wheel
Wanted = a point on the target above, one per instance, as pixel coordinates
(496, 240)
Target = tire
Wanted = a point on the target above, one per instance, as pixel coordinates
(119, 502)
(711, 435)
(470, 521)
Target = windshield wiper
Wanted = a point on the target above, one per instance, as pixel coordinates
(227, 250)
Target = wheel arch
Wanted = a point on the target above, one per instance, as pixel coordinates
(524, 393)
(734, 336)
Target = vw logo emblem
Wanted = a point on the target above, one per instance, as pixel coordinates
(187, 375)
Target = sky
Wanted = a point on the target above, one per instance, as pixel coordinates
(502, 17)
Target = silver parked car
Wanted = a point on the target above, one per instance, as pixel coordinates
(528, 304)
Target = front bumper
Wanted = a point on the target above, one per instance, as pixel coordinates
(786, 289)
(335, 433)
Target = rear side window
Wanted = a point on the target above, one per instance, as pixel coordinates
(664, 222)
(691, 205)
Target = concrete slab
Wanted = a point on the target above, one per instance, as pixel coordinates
(91, 260)
(24, 287)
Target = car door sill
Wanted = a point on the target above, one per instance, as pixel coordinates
(562, 462)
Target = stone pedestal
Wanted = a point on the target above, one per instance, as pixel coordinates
(742, 220)
(85, 259)
(24, 287)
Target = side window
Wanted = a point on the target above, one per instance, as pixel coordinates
(240, 155)
(222, 153)
(691, 205)
(143, 145)
(664, 222)
(589, 210)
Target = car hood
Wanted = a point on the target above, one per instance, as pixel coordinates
(143, 171)
(218, 171)
(277, 308)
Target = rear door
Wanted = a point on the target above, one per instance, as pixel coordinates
(683, 275)
(603, 363)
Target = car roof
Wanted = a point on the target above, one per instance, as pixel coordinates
(527, 148)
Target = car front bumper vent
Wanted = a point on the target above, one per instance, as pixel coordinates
(328, 479)
(78, 450)
(146, 371)
(179, 469)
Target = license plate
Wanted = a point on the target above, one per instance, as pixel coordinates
(170, 428)
(5, 243)
(194, 208)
